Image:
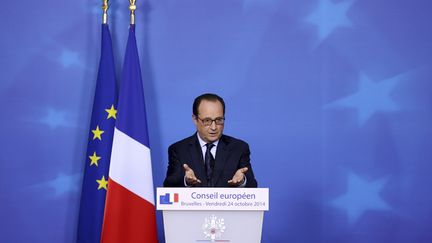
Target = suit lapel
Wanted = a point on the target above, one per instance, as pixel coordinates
(197, 163)
(221, 159)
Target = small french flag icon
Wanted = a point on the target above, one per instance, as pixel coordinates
(174, 197)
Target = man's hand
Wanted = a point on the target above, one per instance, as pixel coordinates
(238, 177)
(190, 176)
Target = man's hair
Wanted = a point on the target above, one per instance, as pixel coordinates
(208, 97)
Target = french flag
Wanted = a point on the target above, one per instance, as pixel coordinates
(174, 197)
(130, 208)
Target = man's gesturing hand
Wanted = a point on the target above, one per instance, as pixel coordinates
(238, 177)
(190, 176)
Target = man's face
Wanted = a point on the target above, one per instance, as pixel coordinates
(209, 110)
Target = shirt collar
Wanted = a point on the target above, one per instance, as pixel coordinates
(203, 143)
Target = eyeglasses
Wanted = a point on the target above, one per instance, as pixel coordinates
(207, 121)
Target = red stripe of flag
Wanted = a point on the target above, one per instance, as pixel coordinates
(135, 215)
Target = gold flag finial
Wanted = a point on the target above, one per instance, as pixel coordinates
(105, 11)
(132, 8)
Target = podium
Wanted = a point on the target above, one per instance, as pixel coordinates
(233, 215)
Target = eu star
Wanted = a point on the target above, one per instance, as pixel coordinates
(70, 58)
(328, 16)
(94, 159)
(63, 184)
(55, 118)
(112, 112)
(371, 97)
(102, 183)
(97, 133)
(361, 196)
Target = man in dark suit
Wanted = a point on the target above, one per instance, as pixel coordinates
(208, 158)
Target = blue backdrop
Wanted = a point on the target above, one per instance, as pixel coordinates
(333, 96)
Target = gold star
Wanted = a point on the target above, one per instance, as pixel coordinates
(94, 159)
(97, 133)
(111, 112)
(102, 183)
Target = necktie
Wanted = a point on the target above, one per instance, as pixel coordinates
(209, 161)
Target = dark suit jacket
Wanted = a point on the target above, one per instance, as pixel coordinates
(231, 155)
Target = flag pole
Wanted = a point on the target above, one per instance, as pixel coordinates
(105, 11)
(132, 8)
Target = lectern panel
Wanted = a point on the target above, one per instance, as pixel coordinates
(213, 226)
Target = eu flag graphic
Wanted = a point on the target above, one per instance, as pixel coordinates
(95, 182)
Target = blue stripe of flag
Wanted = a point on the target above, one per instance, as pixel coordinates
(131, 118)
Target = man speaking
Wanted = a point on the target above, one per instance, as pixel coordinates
(209, 158)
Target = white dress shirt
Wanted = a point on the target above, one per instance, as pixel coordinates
(213, 152)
